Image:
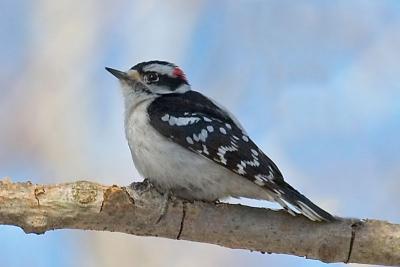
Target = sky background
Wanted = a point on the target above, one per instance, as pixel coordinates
(315, 83)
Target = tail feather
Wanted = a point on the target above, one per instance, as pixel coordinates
(302, 204)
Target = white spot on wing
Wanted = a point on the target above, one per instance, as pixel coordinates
(186, 120)
(270, 168)
(222, 151)
(254, 152)
(253, 163)
(234, 144)
(228, 126)
(172, 120)
(240, 169)
(245, 138)
(203, 135)
(279, 192)
(223, 160)
(222, 130)
(221, 154)
(259, 179)
(210, 128)
(207, 119)
(196, 137)
(165, 117)
(189, 140)
(205, 150)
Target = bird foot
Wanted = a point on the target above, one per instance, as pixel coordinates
(164, 205)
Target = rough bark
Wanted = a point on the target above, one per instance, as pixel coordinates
(136, 210)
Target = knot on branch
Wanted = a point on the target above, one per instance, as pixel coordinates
(84, 192)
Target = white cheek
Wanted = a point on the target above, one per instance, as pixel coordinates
(125, 87)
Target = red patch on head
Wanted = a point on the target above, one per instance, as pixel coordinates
(179, 73)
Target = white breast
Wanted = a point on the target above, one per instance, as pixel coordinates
(172, 167)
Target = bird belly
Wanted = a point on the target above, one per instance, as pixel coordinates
(172, 167)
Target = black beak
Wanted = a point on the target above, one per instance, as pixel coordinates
(117, 73)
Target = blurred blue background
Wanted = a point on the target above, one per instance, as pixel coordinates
(316, 84)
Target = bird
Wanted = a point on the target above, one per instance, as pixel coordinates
(187, 144)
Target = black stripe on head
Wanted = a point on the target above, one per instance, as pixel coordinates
(172, 83)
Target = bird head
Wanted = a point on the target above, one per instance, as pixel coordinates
(152, 78)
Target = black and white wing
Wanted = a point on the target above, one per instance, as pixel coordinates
(198, 124)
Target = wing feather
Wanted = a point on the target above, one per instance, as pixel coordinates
(198, 124)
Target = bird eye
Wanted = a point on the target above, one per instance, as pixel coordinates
(151, 77)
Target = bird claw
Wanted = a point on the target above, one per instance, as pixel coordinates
(164, 206)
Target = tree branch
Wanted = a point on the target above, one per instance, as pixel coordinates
(136, 210)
